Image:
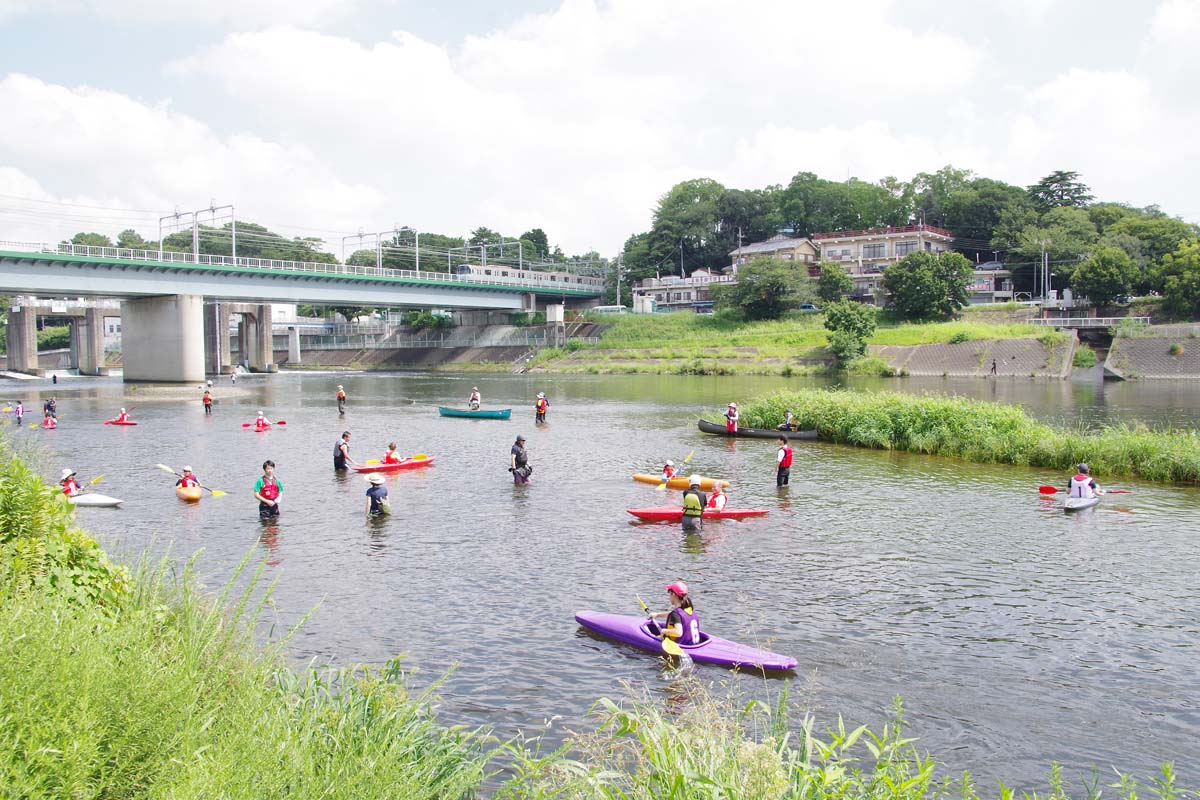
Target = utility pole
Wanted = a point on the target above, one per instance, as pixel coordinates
(1043, 271)
(619, 260)
(681, 259)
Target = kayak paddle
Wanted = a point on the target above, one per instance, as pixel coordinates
(663, 486)
(1056, 490)
(213, 492)
(669, 645)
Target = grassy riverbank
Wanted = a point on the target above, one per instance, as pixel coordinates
(974, 430)
(119, 685)
(687, 343)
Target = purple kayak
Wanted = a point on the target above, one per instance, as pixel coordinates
(711, 650)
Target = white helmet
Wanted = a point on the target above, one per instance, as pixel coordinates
(670, 463)
(66, 473)
(260, 413)
(187, 469)
(122, 411)
(695, 480)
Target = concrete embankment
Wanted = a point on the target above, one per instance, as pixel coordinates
(403, 358)
(1160, 352)
(1049, 357)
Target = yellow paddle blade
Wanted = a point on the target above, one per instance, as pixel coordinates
(372, 461)
(218, 493)
(670, 647)
(96, 479)
(662, 487)
(165, 468)
(34, 425)
(420, 457)
(642, 603)
(689, 456)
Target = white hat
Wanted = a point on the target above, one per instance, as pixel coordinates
(339, 386)
(122, 410)
(187, 469)
(375, 478)
(733, 405)
(67, 472)
(695, 480)
(670, 463)
(260, 413)
(474, 388)
(541, 394)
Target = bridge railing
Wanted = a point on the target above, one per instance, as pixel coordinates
(311, 267)
(1086, 322)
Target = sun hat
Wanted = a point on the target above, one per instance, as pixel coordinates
(375, 478)
(679, 588)
(187, 469)
(67, 472)
(670, 463)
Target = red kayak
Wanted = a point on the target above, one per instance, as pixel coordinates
(675, 513)
(119, 422)
(408, 463)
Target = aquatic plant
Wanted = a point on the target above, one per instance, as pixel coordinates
(974, 430)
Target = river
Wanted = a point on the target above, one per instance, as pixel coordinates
(1016, 635)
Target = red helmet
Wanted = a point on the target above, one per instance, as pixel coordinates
(679, 588)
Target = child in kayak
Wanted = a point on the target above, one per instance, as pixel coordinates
(377, 496)
(683, 624)
(668, 471)
(267, 491)
(390, 456)
(717, 500)
(49, 421)
(260, 422)
(188, 480)
(70, 487)
(475, 399)
(123, 416)
(1083, 484)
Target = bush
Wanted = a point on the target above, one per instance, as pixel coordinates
(1176, 349)
(1085, 357)
(959, 337)
(422, 320)
(54, 337)
(845, 346)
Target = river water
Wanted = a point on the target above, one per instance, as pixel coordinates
(1016, 635)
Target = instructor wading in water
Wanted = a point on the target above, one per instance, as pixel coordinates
(519, 462)
(341, 453)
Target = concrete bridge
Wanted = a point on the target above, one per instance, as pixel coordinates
(169, 335)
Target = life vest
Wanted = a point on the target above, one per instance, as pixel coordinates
(49, 422)
(691, 625)
(390, 458)
(270, 491)
(786, 461)
(691, 505)
(542, 405)
(70, 487)
(668, 473)
(207, 399)
(188, 481)
(341, 395)
(122, 417)
(261, 424)
(1081, 486)
(718, 501)
(339, 460)
(731, 421)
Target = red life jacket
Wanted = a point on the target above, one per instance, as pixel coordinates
(188, 481)
(261, 424)
(787, 457)
(390, 458)
(542, 405)
(713, 501)
(122, 417)
(731, 421)
(49, 423)
(70, 487)
(668, 472)
(269, 490)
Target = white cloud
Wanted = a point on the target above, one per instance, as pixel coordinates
(227, 13)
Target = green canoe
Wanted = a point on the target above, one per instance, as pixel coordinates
(501, 413)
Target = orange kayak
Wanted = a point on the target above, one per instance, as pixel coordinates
(190, 494)
(678, 483)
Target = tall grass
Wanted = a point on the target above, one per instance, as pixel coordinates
(974, 430)
(713, 749)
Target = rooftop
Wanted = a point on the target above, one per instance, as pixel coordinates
(777, 242)
(884, 232)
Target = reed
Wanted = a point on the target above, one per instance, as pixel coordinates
(990, 433)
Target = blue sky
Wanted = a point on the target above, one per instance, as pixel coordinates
(326, 116)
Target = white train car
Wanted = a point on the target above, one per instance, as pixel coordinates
(503, 273)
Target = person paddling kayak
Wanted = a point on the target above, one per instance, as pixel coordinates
(70, 487)
(717, 500)
(377, 496)
(187, 480)
(390, 456)
(519, 462)
(475, 399)
(267, 490)
(261, 423)
(683, 623)
(541, 407)
(50, 422)
(783, 462)
(731, 418)
(122, 417)
(668, 471)
(341, 453)
(341, 399)
(694, 502)
(1083, 485)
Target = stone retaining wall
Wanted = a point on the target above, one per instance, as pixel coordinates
(1151, 357)
(1019, 358)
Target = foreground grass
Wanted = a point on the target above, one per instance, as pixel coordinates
(990, 433)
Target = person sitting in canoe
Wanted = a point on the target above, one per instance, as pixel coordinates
(1083, 484)
(267, 491)
(683, 624)
(541, 407)
(668, 471)
(731, 418)
(694, 502)
(377, 496)
(49, 422)
(390, 456)
(474, 400)
(70, 487)
(188, 480)
(789, 424)
(260, 422)
(122, 417)
(718, 499)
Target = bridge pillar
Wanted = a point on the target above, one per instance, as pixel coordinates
(87, 342)
(216, 339)
(261, 341)
(22, 340)
(293, 345)
(163, 339)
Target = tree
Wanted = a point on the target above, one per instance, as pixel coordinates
(130, 239)
(1179, 276)
(765, 289)
(91, 240)
(1160, 234)
(925, 286)
(834, 283)
(1106, 277)
(1058, 189)
(539, 241)
(973, 214)
(850, 325)
(686, 227)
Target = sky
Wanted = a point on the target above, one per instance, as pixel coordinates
(327, 117)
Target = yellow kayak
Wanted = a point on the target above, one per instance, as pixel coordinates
(678, 483)
(190, 494)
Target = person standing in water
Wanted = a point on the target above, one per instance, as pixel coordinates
(341, 399)
(783, 463)
(207, 400)
(19, 411)
(540, 409)
(267, 491)
(377, 496)
(519, 462)
(694, 502)
(341, 453)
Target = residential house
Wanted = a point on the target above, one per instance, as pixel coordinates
(781, 247)
(672, 293)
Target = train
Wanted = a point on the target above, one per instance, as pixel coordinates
(501, 272)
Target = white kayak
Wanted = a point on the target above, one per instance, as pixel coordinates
(1080, 503)
(94, 499)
